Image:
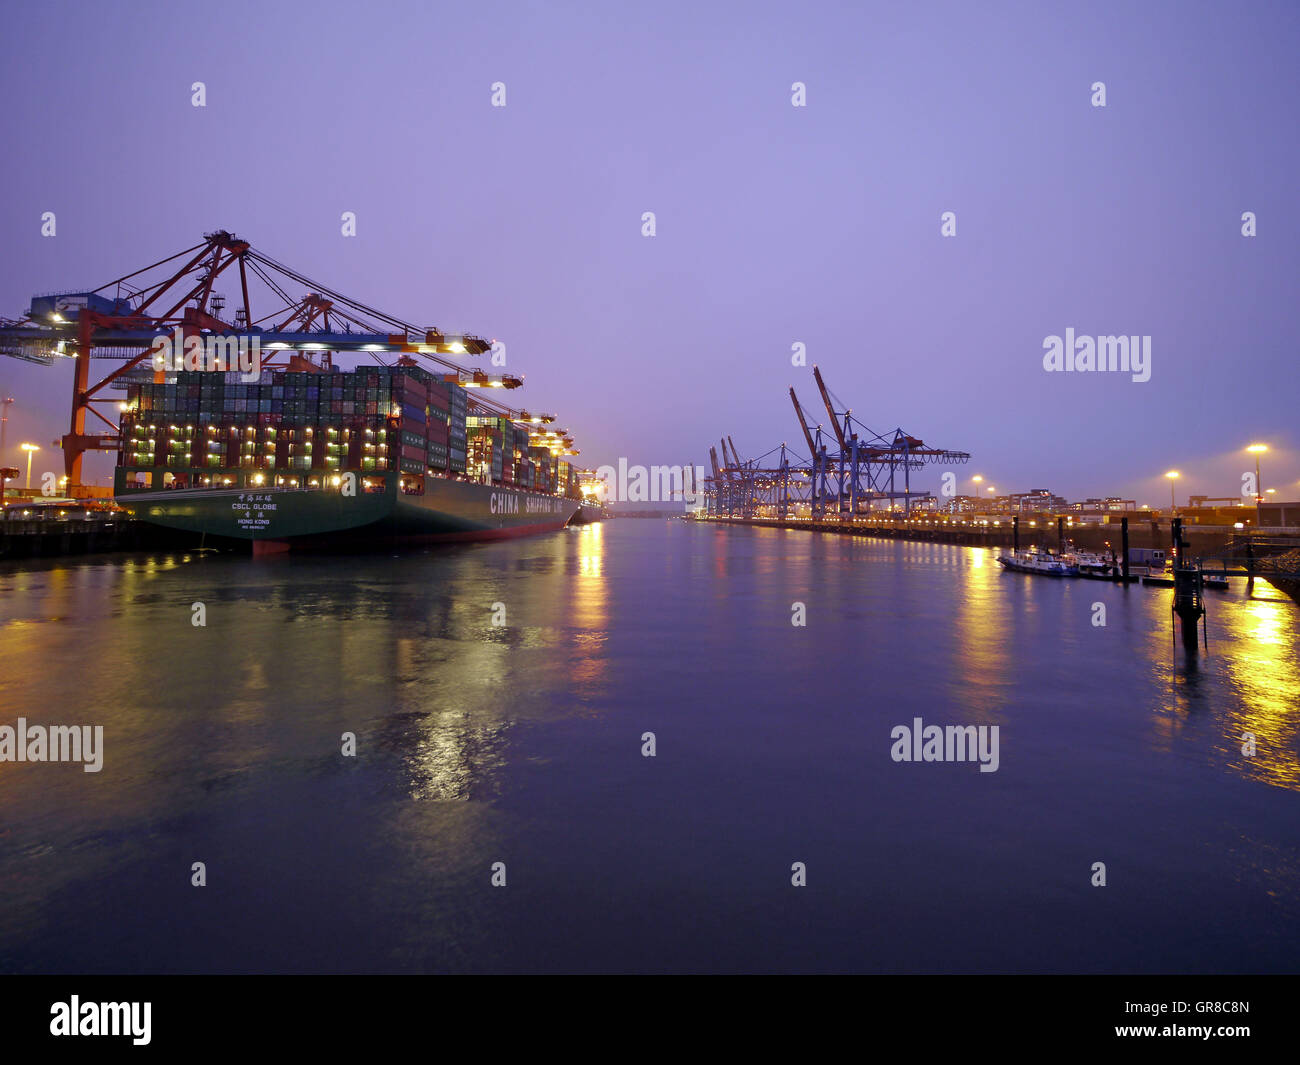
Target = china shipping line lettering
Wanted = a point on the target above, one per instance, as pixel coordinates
(509, 503)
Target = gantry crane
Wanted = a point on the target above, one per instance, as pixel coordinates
(850, 471)
(121, 320)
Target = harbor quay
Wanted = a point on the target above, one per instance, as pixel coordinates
(1043, 530)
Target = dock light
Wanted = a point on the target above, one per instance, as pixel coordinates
(55, 316)
(977, 478)
(456, 347)
(1173, 475)
(30, 449)
(1257, 450)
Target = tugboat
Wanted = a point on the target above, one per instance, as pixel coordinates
(1041, 562)
(1094, 566)
(588, 513)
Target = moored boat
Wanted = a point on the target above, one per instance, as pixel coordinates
(1094, 566)
(588, 513)
(1035, 561)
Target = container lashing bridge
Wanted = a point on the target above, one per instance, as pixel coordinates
(849, 471)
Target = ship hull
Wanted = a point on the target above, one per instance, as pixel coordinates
(276, 519)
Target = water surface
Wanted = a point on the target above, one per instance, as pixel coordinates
(522, 744)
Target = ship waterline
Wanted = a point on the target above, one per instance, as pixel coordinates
(278, 518)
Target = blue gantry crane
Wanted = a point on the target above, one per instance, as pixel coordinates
(850, 470)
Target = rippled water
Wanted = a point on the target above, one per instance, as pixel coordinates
(522, 744)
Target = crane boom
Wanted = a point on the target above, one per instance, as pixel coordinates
(812, 448)
(730, 464)
(826, 398)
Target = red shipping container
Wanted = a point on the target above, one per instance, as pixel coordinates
(417, 453)
(438, 432)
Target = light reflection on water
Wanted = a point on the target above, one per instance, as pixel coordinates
(477, 742)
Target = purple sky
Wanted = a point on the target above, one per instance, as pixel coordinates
(776, 224)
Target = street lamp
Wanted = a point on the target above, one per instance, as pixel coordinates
(1173, 503)
(30, 449)
(1257, 450)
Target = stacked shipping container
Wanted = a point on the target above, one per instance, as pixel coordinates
(295, 428)
(456, 439)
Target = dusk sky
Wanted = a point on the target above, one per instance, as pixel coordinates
(775, 224)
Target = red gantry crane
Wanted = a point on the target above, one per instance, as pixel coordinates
(120, 321)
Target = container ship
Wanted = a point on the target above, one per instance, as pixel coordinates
(315, 457)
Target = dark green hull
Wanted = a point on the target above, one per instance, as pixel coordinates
(278, 519)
